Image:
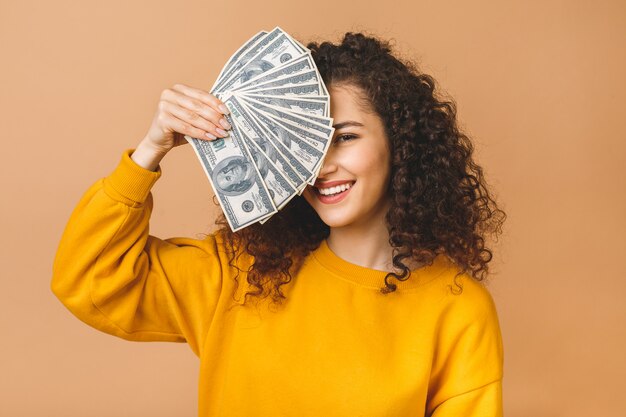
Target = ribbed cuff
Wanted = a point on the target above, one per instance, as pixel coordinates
(131, 180)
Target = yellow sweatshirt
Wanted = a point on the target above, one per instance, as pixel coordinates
(338, 347)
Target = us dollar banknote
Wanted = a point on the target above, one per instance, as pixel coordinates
(235, 179)
(281, 128)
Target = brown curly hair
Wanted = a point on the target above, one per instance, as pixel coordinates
(440, 203)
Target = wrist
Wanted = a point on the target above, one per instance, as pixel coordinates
(147, 155)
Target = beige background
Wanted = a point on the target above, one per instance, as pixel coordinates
(540, 87)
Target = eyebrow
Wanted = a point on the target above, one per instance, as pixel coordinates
(347, 123)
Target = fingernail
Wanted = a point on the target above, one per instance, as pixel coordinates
(225, 124)
(221, 132)
(210, 136)
(223, 109)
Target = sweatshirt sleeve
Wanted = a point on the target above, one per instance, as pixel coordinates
(466, 378)
(114, 276)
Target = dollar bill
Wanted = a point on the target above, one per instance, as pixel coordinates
(245, 57)
(235, 180)
(276, 53)
(306, 120)
(268, 146)
(281, 128)
(281, 189)
(309, 89)
(304, 152)
(288, 150)
(296, 66)
(236, 57)
(291, 80)
(297, 105)
(315, 134)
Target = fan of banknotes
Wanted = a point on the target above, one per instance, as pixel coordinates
(281, 129)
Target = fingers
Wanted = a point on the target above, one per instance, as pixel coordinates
(203, 96)
(194, 120)
(197, 108)
(185, 128)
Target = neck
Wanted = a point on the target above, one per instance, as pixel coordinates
(366, 246)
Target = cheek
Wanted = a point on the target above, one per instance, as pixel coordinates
(371, 163)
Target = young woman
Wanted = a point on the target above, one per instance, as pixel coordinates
(361, 297)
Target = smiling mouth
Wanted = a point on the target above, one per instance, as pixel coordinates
(330, 191)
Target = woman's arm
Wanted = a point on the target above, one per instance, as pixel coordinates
(114, 276)
(110, 272)
(467, 372)
(485, 401)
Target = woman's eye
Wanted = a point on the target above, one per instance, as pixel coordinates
(344, 138)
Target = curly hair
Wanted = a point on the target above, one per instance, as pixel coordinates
(440, 203)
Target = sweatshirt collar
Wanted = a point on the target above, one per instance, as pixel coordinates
(374, 278)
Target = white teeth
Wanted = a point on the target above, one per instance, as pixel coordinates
(334, 190)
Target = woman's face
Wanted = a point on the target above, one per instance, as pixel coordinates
(352, 186)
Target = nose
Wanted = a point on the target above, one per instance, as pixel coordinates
(329, 165)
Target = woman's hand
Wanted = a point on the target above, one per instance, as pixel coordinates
(182, 110)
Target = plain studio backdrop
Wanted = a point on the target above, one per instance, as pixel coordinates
(540, 88)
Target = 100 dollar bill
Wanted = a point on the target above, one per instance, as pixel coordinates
(235, 180)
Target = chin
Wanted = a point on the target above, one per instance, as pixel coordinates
(334, 221)
(329, 219)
